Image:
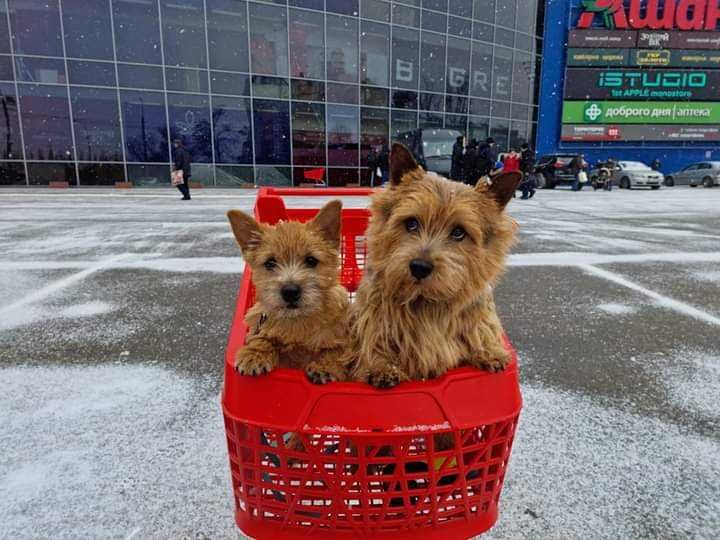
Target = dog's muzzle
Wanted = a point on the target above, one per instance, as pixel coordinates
(420, 269)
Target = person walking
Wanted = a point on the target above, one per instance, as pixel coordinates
(182, 162)
(456, 165)
(656, 165)
(470, 172)
(488, 156)
(527, 164)
(578, 165)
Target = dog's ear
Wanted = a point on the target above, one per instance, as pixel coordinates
(247, 231)
(501, 188)
(327, 221)
(401, 163)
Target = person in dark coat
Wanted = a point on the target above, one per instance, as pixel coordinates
(456, 165)
(487, 156)
(656, 165)
(527, 164)
(181, 162)
(470, 174)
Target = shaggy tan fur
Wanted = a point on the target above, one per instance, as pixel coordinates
(405, 328)
(311, 333)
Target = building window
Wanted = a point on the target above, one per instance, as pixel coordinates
(10, 147)
(145, 125)
(343, 135)
(12, 174)
(46, 122)
(36, 27)
(269, 39)
(307, 44)
(190, 122)
(88, 33)
(96, 121)
(232, 130)
(432, 75)
(308, 135)
(405, 51)
(184, 32)
(342, 49)
(481, 70)
(502, 73)
(374, 53)
(272, 132)
(227, 34)
(100, 174)
(137, 31)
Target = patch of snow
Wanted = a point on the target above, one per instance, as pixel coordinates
(711, 276)
(692, 379)
(100, 452)
(617, 309)
(581, 469)
(88, 309)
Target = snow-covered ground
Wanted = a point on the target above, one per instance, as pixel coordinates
(114, 307)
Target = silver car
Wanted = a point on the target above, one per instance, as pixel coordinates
(632, 174)
(706, 173)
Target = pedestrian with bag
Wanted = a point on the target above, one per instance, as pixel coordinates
(181, 170)
(527, 164)
(578, 166)
(456, 165)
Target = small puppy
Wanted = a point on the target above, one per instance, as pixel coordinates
(299, 318)
(435, 251)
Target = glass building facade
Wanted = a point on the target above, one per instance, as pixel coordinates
(94, 91)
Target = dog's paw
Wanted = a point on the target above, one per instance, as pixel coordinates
(386, 376)
(253, 363)
(493, 362)
(320, 374)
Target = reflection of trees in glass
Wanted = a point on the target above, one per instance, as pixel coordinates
(7, 103)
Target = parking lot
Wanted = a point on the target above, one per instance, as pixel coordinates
(114, 310)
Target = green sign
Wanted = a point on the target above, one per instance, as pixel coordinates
(640, 112)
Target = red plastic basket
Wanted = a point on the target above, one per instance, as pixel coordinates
(369, 466)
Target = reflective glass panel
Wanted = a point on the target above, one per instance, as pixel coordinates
(10, 147)
(4, 30)
(41, 174)
(137, 31)
(46, 122)
(6, 68)
(523, 77)
(308, 135)
(458, 66)
(342, 49)
(12, 174)
(236, 84)
(505, 13)
(401, 122)
(378, 10)
(481, 70)
(186, 80)
(234, 176)
(272, 132)
(499, 132)
(145, 125)
(36, 27)
(184, 32)
(96, 120)
(271, 87)
(190, 122)
(343, 93)
(88, 33)
(40, 70)
(432, 76)
(405, 51)
(268, 39)
(92, 73)
(308, 90)
(228, 34)
(484, 10)
(101, 174)
(502, 73)
(437, 22)
(406, 16)
(374, 53)
(478, 128)
(307, 56)
(463, 8)
(149, 175)
(132, 76)
(344, 7)
(232, 130)
(343, 134)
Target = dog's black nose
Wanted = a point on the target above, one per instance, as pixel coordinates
(420, 269)
(291, 293)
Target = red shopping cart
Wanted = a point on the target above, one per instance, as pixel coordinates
(368, 466)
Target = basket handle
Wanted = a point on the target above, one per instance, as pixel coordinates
(270, 209)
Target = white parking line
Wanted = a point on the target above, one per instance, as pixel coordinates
(60, 284)
(662, 300)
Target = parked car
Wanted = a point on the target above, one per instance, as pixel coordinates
(706, 173)
(631, 174)
(432, 148)
(554, 169)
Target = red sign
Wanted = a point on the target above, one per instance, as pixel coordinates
(652, 14)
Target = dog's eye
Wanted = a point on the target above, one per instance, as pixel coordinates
(458, 234)
(270, 264)
(412, 225)
(311, 262)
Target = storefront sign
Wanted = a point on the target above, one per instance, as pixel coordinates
(695, 40)
(602, 38)
(653, 15)
(640, 112)
(598, 57)
(642, 84)
(594, 133)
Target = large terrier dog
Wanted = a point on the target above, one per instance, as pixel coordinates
(299, 318)
(435, 250)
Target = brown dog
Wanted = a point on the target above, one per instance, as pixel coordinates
(299, 318)
(435, 251)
